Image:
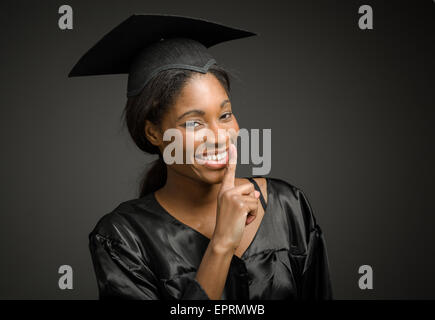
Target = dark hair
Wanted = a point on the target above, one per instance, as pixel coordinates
(151, 104)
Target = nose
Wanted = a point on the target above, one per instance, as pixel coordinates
(219, 137)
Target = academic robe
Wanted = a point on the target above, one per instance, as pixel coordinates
(140, 251)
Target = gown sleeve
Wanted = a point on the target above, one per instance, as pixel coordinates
(122, 271)
(315, 278)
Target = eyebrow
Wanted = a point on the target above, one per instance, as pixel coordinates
(200, 112)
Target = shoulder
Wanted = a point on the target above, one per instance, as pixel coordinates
(283, 186)
(118, 234)
(278, 187)
(288, 191)
(120, 223)
(294, 201)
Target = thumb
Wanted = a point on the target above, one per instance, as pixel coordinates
(230, 173)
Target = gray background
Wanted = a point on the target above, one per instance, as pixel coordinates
(351, 114)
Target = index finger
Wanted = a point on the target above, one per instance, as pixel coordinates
(230, 173)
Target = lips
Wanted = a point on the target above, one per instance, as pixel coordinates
(214, 160)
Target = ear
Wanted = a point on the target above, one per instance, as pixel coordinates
(153, 134)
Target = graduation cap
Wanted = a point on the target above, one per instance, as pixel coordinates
(144, 45)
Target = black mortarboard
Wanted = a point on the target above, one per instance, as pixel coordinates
(143, 45)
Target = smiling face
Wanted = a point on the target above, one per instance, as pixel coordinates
(202, 114)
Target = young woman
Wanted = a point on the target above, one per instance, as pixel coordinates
(197, 231)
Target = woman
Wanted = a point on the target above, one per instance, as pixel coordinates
(197, 231)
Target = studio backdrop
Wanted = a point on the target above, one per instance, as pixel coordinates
(346, 89)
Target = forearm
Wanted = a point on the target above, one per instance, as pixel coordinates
(213, 270)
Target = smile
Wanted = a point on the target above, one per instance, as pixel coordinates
(214, 157)
(213, 161)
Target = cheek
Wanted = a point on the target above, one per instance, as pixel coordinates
(235, 124)
(236, 127)
(233, 130)
(188, 140)
(190, 144)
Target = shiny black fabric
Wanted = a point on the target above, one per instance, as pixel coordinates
(140, 251)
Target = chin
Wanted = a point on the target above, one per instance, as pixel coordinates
(211, 176)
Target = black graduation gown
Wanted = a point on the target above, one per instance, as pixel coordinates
(140, 251)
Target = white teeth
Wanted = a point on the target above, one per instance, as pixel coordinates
(214, 157)
(222, 155)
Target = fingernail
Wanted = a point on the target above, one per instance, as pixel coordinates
(257, 194)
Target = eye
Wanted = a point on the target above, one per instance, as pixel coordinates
(191, 124)
(227, 115)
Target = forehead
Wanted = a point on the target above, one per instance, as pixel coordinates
(202, 91)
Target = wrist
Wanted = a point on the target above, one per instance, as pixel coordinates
(221, 246)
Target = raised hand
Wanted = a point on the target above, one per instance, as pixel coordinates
(236, 206)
